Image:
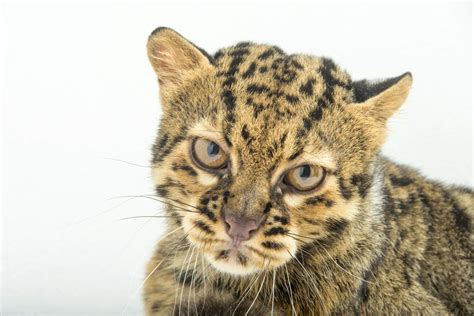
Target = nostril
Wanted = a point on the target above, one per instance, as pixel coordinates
(252, 232)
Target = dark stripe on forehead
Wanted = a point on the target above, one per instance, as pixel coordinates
(250, 71)
(238, 54)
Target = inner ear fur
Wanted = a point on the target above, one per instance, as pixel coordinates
(173, 57)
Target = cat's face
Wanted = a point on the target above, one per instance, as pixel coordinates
(263, 154)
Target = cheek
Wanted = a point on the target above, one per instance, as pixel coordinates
(294, 200)
(206, 179)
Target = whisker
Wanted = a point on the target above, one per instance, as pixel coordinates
(293, 311)
(157, 266)
(192, 289)
(273, 291)
(179, 276)
(311, 279)
(146, 216)
(329, 255)
(184, 279)
(154, 199)
(85, 219)
(128, 163)
(174, 200)
(246, 292)
(256, 296)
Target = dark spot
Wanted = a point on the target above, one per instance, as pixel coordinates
(229, 99)
(245, 133)
(224, 254)
(283, 138)
(214, 197)
(205, 201)
(345, 191)
(307, 88)
(228, 82)
(272, 245)
(156, 306)
(319, 200)
(336, 226)
(255, 88)
(204, 227)
(177, 139)
(218, 54)
(208, 213)
(275, 231)
(185, 277)
(226, 196)
(163, 141)
(292, 99)
(286, 76)
(243, 44)
(263, 69)
(161, 191)
(400, 181)
(363, 291)
(363, 183)
(297, 65)
(268, 53)
(268, 207)
(282, 219)
(190, 170)
(242, 259)
(250, 71)
(463, 222)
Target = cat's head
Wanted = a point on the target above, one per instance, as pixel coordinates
(264, 153)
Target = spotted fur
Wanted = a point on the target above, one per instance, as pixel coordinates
(377, 238)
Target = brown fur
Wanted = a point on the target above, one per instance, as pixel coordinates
(377, 238)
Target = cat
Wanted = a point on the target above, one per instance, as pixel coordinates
(279, 201)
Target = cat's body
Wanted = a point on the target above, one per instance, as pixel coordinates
(252, 236)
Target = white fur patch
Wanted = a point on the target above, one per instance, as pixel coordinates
(207, 179)
(293, 200)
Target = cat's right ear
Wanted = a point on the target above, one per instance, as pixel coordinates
(174, 58)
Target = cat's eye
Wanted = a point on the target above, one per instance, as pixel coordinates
(207, 154)
(305, 177)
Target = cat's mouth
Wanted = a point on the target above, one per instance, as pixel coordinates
(235, 260)
(243, 259)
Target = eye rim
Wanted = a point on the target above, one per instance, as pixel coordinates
(218, 170)
(290, 188)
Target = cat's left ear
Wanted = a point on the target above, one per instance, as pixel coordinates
(174, 58)
(379, 100)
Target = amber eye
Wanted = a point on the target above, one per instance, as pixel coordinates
(305, 177)
(207, 154)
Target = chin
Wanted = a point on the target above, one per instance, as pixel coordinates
(232, 265)
(241, 261)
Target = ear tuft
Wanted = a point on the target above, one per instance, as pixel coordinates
(173, 57)
(381, 99)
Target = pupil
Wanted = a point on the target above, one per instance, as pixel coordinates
(212, 149)
(305, 171)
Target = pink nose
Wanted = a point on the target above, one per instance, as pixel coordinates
(240, 228)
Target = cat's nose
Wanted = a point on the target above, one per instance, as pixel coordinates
(241, 228)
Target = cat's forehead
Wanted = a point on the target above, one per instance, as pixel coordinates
(269, 78)
(271, 100)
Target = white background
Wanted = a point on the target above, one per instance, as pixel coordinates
(77, 89)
